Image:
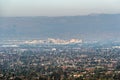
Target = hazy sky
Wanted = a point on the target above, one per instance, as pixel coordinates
(57, 7)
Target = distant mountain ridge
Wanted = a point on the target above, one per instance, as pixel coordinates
(89, 27)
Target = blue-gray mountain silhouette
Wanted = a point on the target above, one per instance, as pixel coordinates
(89, 26)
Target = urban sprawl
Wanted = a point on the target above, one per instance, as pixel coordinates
(59, 60)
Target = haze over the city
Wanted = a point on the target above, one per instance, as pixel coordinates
(66, 19)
